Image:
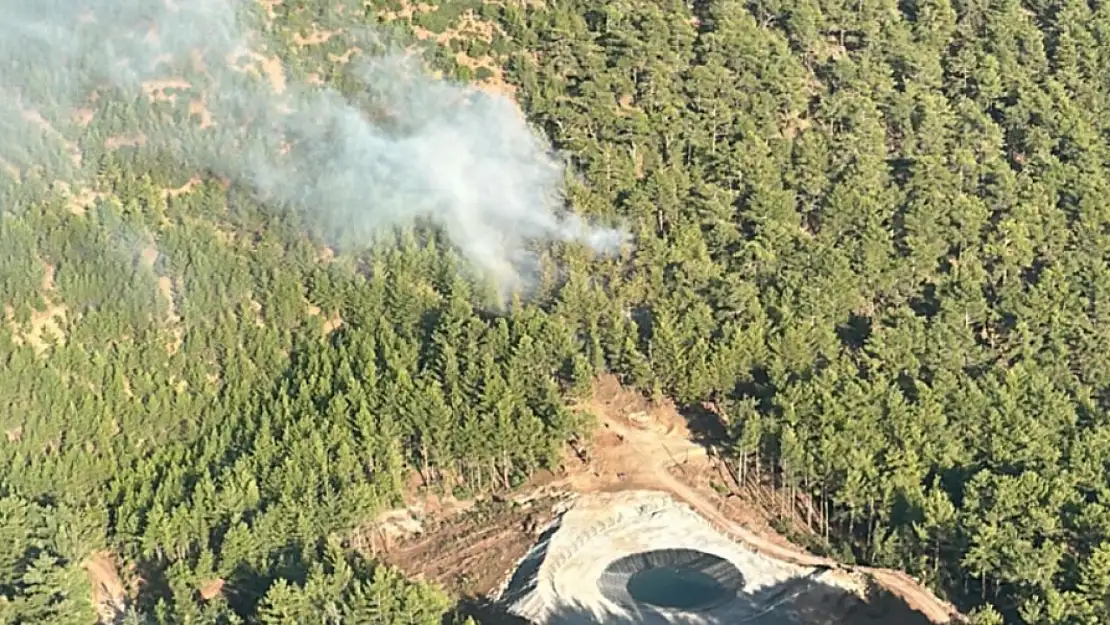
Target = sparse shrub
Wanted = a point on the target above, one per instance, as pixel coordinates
(489, 11)
(477, 49)
(499, 45)
(436, 21)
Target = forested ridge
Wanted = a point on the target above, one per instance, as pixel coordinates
(874, 234)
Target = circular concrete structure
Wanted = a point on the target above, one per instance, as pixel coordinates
(671, 579)
(641, 558)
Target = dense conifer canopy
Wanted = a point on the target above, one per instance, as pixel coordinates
(875, 234)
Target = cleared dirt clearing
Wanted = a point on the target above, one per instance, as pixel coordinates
(644, 447)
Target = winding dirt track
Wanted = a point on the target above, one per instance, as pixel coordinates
(645, 467)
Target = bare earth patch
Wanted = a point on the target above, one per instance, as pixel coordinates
(198, 109)
(36, 118)
(407, 10)
(315, 36)
(332, 323)
(463, 547)
(166, 289)
(344, 58)
(157, 89)
(125, 141)
(83, 116)
(108, 593)
(268, 6)
(44, 326)
(189, 185)
(270, 67)
(80, 200)
(10, 169)
(641, 446)
(469, 27)
(210, 590)
(148, 256)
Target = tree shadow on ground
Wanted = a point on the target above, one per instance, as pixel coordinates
(706, 427)
(800, 601)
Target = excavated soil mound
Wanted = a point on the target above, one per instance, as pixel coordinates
(641, 557)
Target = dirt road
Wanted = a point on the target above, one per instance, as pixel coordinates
(640, 446)
(646, 458)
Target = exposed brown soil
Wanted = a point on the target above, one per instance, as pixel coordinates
(469, 27)
(108, 592)
(199, 110)
(45, 324)
(315, 37)
(159, 90)
(343, 59)
(269, 67)
(470, 553)
(125, 141)
(83, 116)
(269, 6)
(331, 323)
(189, 185)
(167, 289)
(638, 445)
(210, 590)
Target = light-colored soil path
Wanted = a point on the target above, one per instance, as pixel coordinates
(646, 457)
(637, 445)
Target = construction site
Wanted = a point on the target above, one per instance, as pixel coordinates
(637, 528)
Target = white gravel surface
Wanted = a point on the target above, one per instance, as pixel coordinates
(567, 577)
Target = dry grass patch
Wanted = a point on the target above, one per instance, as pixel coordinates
(189, 185)
(157, 90)
(792, 124)
(10, 169)
(45, 326)
(332, 323)
(269, 7)
(471, 27)
(407, 10)
(199, 110)
(211, 589)
(108, 592)
(125, 141)
(256, 313)
(344, 58)
(82, 117)
(268, 67)
(78, 201)
(315, 37)
(35, 118)
(167, 289)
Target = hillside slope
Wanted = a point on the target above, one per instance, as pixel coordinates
(870, 237)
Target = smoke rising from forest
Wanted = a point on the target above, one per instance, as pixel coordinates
(406, 147)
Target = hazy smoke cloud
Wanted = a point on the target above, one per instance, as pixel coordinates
(411, 147)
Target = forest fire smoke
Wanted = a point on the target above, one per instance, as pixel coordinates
(477, 170)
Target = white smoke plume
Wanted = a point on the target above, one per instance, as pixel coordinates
(410, 148)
